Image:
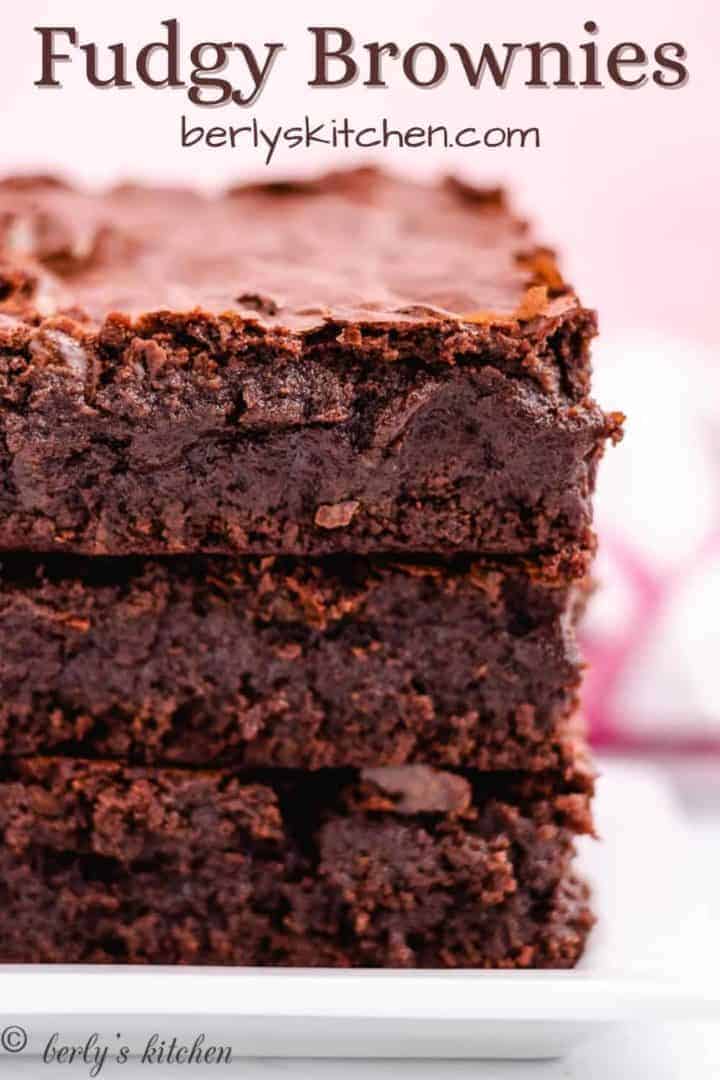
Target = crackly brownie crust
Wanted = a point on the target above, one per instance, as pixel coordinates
(395, 867)
(341, 661)
(356, 363)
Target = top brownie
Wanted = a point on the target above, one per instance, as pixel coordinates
(352, 363)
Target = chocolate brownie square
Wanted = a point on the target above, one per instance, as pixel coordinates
(346, 660)
(395, 867)
(356, 363)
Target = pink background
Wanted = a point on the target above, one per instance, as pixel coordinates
(626, 181)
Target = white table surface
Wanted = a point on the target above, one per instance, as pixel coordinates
(680, 1051)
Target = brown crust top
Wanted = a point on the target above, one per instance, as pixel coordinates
(358, 248)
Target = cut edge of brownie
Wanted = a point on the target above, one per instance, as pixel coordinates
(289, 663)
(399, 867)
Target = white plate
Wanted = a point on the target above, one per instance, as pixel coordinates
(634, 969)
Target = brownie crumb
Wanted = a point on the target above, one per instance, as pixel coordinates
(336, 515)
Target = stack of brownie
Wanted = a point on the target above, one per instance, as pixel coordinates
(295, 519)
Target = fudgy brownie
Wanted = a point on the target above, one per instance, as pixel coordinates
(353, 363)
(390, 867)
(259, 661)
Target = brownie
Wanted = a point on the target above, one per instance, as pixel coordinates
(345, 660)
(391, 867)
(355, 363)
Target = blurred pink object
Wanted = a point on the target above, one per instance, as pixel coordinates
(652, 635)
